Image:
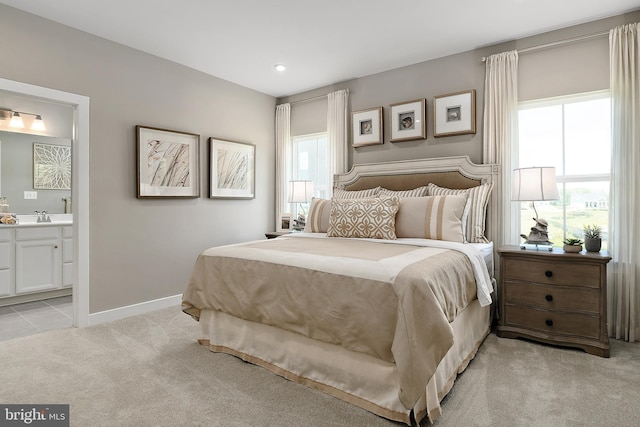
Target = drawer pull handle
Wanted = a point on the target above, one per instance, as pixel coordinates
(548, 273)
(549, 322)
(549, 297)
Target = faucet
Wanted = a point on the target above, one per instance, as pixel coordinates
(42, 216)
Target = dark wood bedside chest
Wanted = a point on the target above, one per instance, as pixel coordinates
(554, 297)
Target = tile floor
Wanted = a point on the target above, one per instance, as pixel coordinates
(31, 318)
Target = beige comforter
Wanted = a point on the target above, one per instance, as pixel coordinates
(391, 301)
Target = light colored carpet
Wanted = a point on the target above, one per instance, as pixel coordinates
(148, 370)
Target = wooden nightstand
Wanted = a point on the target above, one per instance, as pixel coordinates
(554, 297)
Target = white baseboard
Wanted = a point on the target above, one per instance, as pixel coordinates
(133, 310)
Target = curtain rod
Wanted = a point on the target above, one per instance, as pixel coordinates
(558, 43)
(308, 99)
(315, 98)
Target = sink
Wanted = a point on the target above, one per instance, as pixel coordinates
(55, 219)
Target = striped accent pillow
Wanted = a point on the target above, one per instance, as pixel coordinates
(416, 192)
(373, 218)
(477, 200)
(356, 194)
(318, 217)
(431, 217)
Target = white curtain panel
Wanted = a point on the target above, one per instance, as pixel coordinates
(337, 136)
(623, 296)
(500, 129)
(283, 137)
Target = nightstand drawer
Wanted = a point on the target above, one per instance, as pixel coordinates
(550, 297)
(555, 273)
(581, 325)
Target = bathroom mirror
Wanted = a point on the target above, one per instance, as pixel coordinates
(17, 172)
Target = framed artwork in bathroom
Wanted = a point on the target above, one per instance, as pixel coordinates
(51, 167)
(167, 163)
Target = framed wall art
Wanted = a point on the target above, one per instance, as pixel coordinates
(285, 222)
(454, 113)
(168, 163)
(367, 127)
(231, 169)
(408, 120)
(51, 167)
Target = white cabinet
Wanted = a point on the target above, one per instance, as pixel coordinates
(38, 259)
(34, 260)
(67, 256)
(6, 262)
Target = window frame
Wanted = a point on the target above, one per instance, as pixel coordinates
(561, 180)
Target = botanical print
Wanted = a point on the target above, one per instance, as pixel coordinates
(167, 163)
(233, 169)
(51, 167)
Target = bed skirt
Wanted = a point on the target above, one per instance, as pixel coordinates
(357, 378)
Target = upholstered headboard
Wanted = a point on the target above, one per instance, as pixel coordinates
(451, 172)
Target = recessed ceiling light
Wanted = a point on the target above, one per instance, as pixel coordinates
(280, 67)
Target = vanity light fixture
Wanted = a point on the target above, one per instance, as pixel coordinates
(16, 120)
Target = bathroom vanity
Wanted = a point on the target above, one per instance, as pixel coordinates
(36, 260)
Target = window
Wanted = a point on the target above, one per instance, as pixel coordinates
(309, 162)
(573, 134)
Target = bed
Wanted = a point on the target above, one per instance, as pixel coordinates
(379, 309)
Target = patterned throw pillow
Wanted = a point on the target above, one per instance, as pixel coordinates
(373, 218)
(477, 200)
(416, 192)
(431, 217)
(356, 194)
(318, 217)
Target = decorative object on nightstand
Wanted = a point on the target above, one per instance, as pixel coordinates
(274, 234)
(572, 245)
(592, 239)
(300, 191)
(554, 297)
(532, 185)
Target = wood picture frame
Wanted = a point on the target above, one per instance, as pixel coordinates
(409, 120)
(231, 169)
(168, 163)
(367, 127)
(454, 114)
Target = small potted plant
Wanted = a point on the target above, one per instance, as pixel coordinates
(592, 237)
(572, 245)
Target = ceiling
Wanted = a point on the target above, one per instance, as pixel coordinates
(321, 41)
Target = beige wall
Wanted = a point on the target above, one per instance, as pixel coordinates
(142, 250)
(565, 69)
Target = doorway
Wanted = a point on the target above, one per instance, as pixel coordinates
(79, 187)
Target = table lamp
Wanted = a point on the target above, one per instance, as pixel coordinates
(300, 191)
(532, 185)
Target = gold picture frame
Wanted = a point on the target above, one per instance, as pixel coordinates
(454, 114)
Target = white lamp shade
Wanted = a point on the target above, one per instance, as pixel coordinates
(300, 191)
(16, 121)
(533, 184)
(38, 124)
